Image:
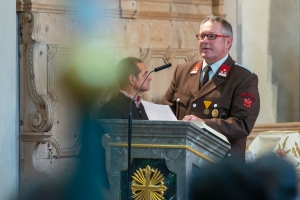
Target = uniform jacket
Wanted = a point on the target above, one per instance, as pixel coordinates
(118, 108)
(229, 102)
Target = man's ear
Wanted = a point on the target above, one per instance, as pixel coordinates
(131, 79)
(228, 42)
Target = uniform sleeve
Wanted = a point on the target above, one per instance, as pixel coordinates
(244, 110)
(169, 95)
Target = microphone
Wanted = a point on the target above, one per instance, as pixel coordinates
(162, 67)
(130, 127)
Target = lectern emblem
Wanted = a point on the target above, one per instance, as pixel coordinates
(148, 184)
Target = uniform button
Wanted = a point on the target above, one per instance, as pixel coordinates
(215, 105)
(194, 105)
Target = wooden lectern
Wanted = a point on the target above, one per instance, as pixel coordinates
(165, 155)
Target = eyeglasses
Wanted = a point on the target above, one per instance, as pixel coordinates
(209, 36)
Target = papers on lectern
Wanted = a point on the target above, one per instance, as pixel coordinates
(158, 112)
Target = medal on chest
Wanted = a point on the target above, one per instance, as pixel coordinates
(215, 111)
(206, 106)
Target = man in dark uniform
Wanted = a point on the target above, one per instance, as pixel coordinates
(131, 72)
(226, 97)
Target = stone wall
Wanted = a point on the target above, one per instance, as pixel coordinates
(263, 27)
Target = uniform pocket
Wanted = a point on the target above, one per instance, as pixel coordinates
(181, 97)
(181, 101)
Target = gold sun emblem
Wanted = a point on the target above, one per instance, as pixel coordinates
(148, 184)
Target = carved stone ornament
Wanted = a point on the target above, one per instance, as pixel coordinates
(188, 10)
(168, 55)
(42, 119)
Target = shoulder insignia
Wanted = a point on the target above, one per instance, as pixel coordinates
(237, 64)
(224, 71)
(248, 99)
(196, 68)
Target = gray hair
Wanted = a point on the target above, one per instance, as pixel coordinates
(226, 26)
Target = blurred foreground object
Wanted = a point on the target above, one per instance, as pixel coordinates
(269, 178)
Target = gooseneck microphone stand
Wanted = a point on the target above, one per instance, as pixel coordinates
(130, 128)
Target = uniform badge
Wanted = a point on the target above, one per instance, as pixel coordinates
(196, 68)
(224, 70)
(248, 99)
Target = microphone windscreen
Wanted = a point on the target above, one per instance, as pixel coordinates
(162, 67)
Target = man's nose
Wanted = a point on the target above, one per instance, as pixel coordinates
(205, 39)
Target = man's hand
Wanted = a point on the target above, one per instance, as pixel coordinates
(192, 118)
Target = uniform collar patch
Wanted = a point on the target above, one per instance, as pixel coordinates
(248, 99)
(196, 68)
(224, 71)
